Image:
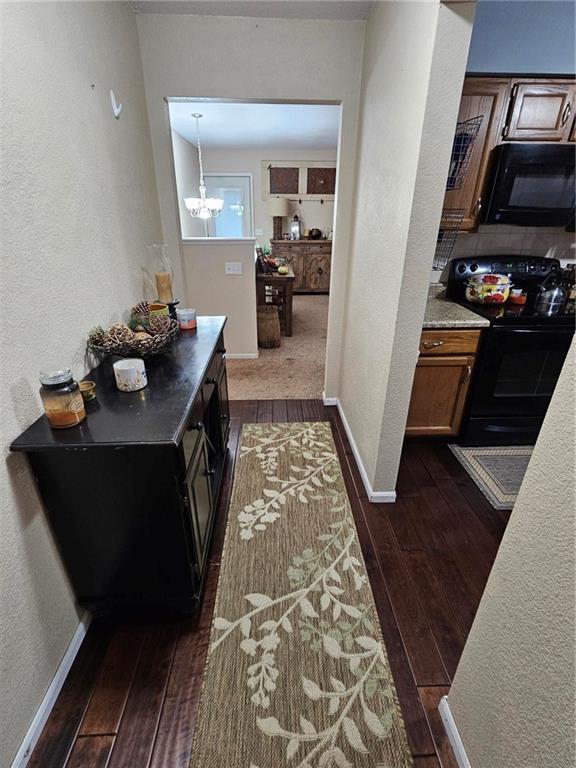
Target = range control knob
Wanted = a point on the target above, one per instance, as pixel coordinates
(532, 267)
(473, 267)
(543, 267)
(461, 268)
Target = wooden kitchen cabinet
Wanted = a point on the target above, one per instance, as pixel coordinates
(441, 381)
(318, 270)
(540, 111)
(486, 97)
(310, 261)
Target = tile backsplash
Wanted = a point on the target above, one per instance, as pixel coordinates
(493, 239)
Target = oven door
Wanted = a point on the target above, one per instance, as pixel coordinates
(518, 370)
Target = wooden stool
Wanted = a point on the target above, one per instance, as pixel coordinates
(268, 326)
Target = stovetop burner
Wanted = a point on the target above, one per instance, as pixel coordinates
(526, 272)
(516, 314)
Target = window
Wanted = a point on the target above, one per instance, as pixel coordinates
(235, 218)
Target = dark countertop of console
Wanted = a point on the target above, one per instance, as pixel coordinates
(156, 414)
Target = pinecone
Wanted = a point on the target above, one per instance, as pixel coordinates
(159, 324)
(142, 308)
(97, 336)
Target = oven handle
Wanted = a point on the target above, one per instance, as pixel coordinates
(555, 329)
(524, 428)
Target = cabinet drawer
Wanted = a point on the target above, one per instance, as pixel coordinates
(449, 342)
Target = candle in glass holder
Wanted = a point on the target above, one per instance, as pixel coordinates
(164, 286)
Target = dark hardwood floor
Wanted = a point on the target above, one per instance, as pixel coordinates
(131, 698)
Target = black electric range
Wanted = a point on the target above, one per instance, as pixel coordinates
(520, 355)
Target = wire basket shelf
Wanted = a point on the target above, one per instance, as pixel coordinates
(450, 224)
(462, 147)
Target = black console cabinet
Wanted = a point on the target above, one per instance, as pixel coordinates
(131, 493)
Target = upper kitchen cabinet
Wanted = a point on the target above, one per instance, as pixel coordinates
(540, 111)
(486, 98)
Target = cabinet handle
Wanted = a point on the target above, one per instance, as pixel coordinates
(566, 114)
(210, 472)
(477, 208)
(212, 380)
(199, 425)
(224, 417)
(221, 350)
(432, 344)
(468, 373)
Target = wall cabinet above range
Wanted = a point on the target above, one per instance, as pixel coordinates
(512, 110)
(540, 111)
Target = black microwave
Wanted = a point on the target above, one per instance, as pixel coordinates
(531, 185)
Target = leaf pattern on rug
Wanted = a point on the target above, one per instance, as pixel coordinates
(316, 576)
(301, 481)
(316, 689)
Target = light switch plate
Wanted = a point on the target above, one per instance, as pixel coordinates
(233, 268)
(258, 232)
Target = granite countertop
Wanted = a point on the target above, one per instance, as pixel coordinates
(443, 313)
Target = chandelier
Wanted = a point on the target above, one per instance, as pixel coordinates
(202, 207)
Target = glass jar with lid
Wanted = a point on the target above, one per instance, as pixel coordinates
(61, 398)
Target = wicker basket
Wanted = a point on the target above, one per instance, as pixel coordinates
(153, 345)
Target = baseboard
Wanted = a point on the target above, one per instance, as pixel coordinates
(243, 356)
(452, 733)
(377, 497)
(43, 712)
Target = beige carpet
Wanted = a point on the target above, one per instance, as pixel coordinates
(297, 674)
(293, 371)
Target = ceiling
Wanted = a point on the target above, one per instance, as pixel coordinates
(343, 10)
(241, 125)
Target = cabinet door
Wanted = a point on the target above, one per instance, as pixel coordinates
(317, 275)
(438, 395)
(199, 497)
(540, 111)
(296, 260)
(223, 408)
(572, 134)
(484, 97)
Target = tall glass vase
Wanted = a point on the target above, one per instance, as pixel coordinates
(163, 272)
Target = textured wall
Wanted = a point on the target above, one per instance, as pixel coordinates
(535, 37)
(187, 176)
(78, 205)
(414, 63)
(242, 58)
(513, 694)
(212, 292)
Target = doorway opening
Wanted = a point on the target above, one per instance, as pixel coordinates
(273, 165)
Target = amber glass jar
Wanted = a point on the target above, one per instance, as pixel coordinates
(61, 398)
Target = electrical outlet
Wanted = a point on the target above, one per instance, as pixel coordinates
(233, 268)
(258, 232)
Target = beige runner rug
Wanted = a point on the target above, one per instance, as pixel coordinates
(297, 673)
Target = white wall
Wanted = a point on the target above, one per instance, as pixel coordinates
(211, 292)
(242, 58)
(513, 694)
(78, 207)
(524, 36)
(313, 213)
(412, 79)
(187, 173)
